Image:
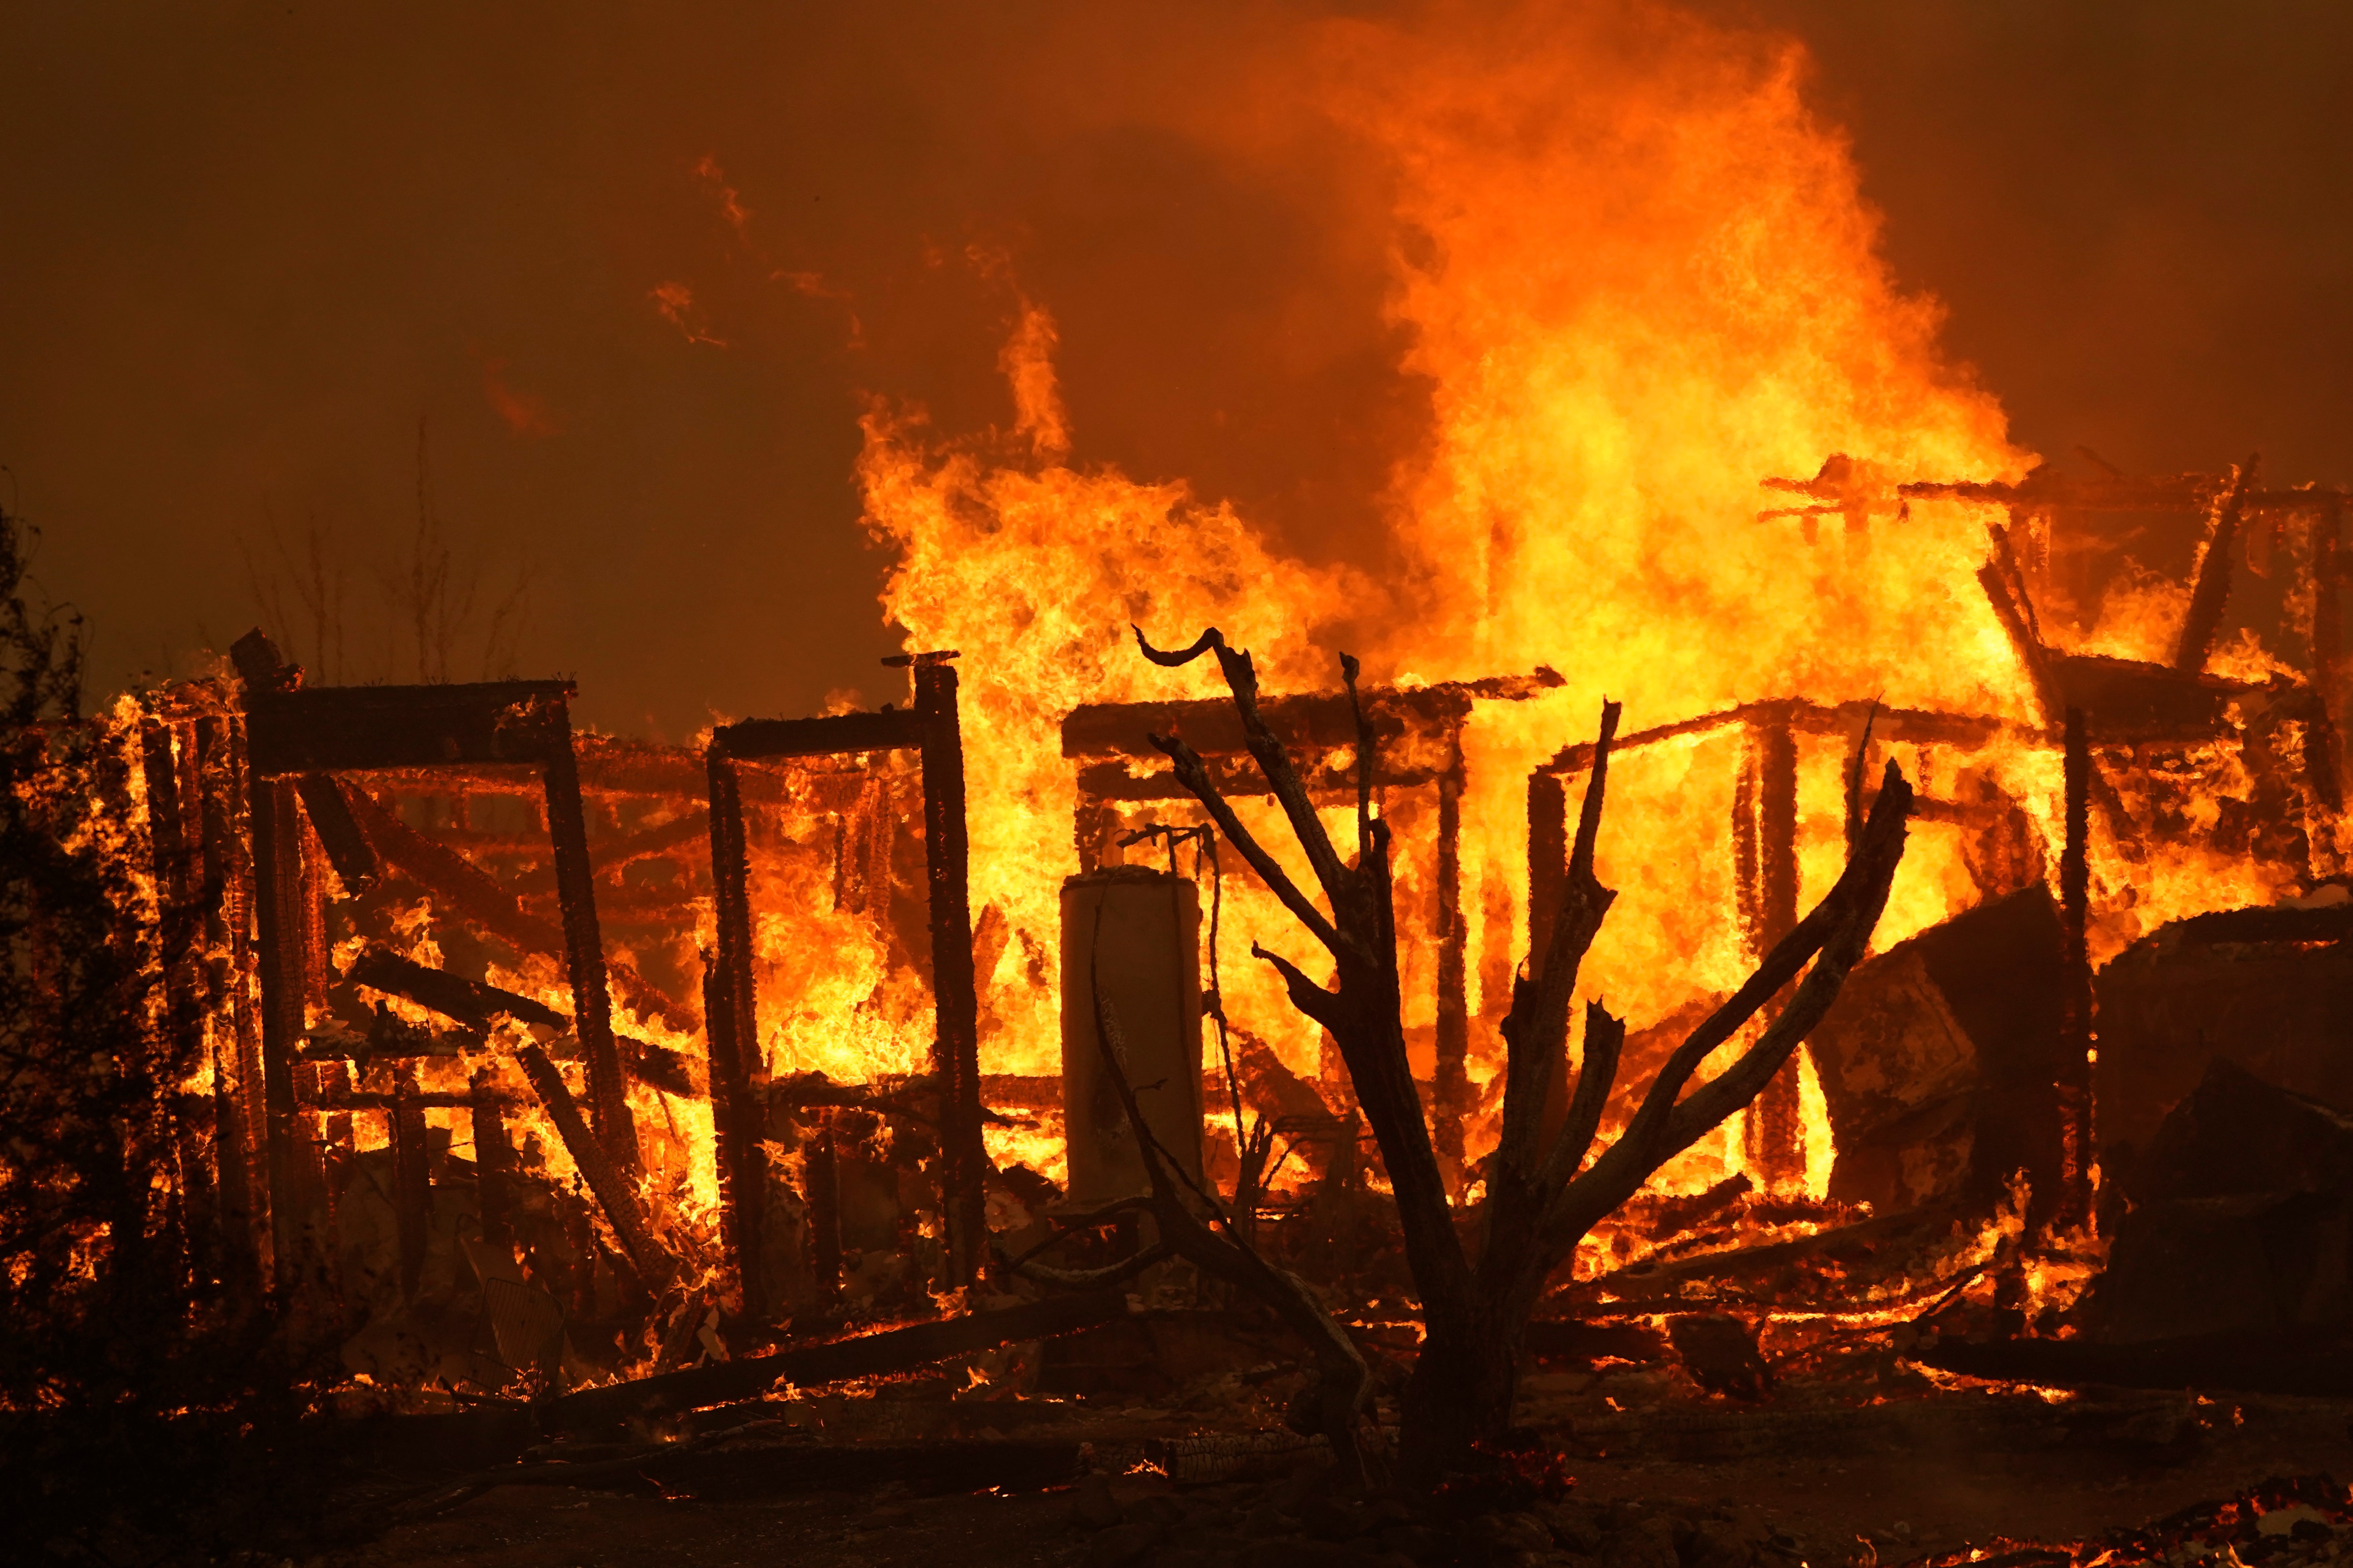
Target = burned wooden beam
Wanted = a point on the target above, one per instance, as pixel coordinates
(2304, 1362)
(732, 1026)
(833, 735)
(687, 828)
(2178, 492)
(2127, 702)
(347, 849)
(1451, 1079)
(812, 1366)
(337, 1096)
(412, 1185)
(496, 1167)
(1765, 840)
(1327, 779)
(237, 1060)
(277, 894)
(1906, 725)
(180, 912)
(1314, 722)
(451, 996)
(616, 1194)
(2211, 592)
(341, 729)
(2005, 591)
(388, 1038)
(475, 895)
(478, 1006)
(2073, 1089)
(956, 1051)
(275, 830)
(2326, 537)
(584, 946)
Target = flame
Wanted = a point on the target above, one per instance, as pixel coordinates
(1038, 568)
(1639, 277)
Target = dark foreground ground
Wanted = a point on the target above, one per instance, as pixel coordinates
(1671, 1484)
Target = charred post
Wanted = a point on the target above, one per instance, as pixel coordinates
(955, 1061)
(282, 931)
(236, 1071)
(181, 913)
(2326, 528)
(2077, 1036)
(1774, 1133)
(1451, 1089)
(278, 929)
(732, 1024)
(412, 1178)
(495, 1166)
(584, 946)
(824, 1197)
(316, 963)
(1547, 882)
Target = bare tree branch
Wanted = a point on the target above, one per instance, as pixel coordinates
(1839, 929)
(1605, 1038)
(1535, 1030)
(1290, 791)
(1194, 775)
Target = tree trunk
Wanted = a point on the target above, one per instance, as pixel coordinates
(1459, 1398)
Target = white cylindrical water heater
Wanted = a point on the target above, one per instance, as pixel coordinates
(1136, 933)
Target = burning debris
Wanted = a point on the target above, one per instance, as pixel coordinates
(475, 1064)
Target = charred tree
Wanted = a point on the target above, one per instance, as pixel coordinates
(1544, 1194)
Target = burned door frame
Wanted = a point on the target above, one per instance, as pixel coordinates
(932, 729)
(1420, 729)
(297, 739)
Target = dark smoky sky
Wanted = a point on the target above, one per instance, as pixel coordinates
(253, 251)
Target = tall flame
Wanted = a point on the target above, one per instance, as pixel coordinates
(1640, 277)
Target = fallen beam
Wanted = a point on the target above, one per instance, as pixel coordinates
(348, 849)
(2308, 1363)
(475, 895)
(472, 1003)
(2211, 593)
(451, 996)
(811, 1366)
(615, 1193)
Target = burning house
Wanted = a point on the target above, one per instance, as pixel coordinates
(634, 1081)
(1136, 1060)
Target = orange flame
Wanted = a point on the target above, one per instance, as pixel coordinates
(1639, 278)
